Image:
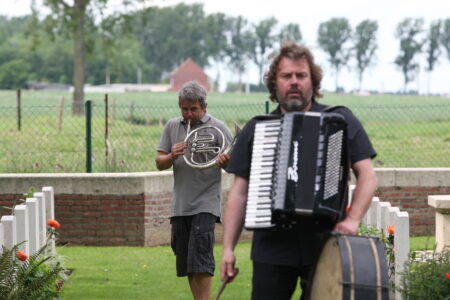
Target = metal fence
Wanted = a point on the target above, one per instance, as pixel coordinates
(49, 139)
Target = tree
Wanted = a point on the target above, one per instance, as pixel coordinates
(445, 37)
(332, 37)
(238, 49)
(78, 21)
(169, 35)
(433, 50)
(407, 32)
(14, 74)
(365, 40)
(290, 32)
(216, 26)
(264, 38)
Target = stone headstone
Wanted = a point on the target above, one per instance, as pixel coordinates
(21, 214)
(42, 217)
(9, 231)
(33, 224)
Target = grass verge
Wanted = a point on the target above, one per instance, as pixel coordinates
(149, 272)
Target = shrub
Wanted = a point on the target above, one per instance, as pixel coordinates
(38, 276)
(427, 278)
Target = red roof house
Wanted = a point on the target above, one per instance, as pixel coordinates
(188, 71)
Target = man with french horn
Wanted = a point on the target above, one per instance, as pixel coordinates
(283, 255)
(186, 144)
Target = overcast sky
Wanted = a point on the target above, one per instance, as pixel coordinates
(383, 76)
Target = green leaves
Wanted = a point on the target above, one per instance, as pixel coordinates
(34, 278)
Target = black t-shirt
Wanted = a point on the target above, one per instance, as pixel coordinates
(299, 244)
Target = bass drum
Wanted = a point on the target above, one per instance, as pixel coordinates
(351, 267)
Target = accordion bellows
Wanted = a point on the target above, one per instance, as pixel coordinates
(299, 168)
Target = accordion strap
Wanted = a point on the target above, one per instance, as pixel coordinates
(333, 108)
(266, 117)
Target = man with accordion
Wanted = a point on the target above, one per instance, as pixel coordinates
(286, 250)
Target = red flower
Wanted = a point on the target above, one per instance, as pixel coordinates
(447, 275)
(390, 229)
(21, 255)
(347, 209)
(53, 223)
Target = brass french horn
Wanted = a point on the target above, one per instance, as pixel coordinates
(204, 144)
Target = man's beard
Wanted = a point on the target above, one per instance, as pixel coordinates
(295, 104)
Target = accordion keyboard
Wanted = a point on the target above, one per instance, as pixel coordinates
(259, 210)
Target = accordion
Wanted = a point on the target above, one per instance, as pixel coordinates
(299, 168)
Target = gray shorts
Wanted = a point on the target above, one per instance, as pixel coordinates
(193, 243)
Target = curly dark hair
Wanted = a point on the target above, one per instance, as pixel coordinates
(293, 51)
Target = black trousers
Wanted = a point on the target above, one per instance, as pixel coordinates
(272, 282)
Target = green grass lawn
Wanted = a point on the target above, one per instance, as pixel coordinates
(149, 272)
(141, 273)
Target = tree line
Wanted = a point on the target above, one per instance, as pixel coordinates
(81, 44)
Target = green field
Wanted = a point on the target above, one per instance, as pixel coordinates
(407, 131)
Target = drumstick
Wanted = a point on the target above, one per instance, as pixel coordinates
(225, 282)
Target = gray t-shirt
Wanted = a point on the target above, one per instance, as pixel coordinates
(195, 190)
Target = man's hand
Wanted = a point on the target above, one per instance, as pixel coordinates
(227, 269)
(222, 160)
(178, 149)
(347, 226)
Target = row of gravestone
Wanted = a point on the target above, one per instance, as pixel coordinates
(380, 216)
(28, 222)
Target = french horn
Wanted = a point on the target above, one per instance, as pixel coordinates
(204, 144)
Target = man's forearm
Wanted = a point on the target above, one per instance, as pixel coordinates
(234, 214)
(164, 161)
(366, 185)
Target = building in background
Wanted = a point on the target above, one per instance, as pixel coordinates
(188, 71)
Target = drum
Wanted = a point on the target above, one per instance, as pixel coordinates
(351, 267)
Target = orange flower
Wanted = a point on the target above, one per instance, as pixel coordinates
(21, 255)
(53, 223)
(390, 229)
(347, 209)
(447, 275)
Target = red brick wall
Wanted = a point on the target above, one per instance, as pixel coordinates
(133, 209)
(101, 220)
(414, 200)
(96, 220)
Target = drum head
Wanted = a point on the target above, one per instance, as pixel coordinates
(326, 283)
(351, 267)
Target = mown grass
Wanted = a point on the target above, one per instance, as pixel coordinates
(407, 131)
(141, 273)
(149, 272)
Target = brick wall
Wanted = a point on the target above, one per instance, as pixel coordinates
(414, 200)
(133, 208)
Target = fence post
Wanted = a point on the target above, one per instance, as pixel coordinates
(19, 111)
(267, 107)
(88, 137)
